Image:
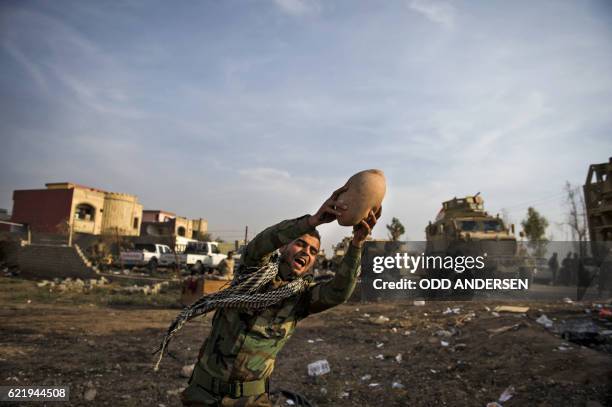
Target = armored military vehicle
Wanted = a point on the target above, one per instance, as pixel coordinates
(464, 228)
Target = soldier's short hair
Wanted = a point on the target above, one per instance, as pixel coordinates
(315, 233)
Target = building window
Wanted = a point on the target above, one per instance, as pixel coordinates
(135, 223)
(181, 231)
(85, 212)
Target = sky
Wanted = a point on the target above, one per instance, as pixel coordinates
(249, 112)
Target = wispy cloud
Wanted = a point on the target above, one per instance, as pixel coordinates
(299, 7)
(31, 68)
(438, 11)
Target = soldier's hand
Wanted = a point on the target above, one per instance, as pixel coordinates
(329, 210)
(364, 228)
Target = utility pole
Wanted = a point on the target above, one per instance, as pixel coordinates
(118, 243)
(246, 235)
(69, 233)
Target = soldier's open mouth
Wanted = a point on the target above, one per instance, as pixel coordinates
(301, 262)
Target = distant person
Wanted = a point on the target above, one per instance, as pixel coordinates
(225, 270)
(566, 265)
(582, 273)
(605, 272)
(190, 284)
(553, 265)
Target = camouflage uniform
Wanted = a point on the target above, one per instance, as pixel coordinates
(237, 359)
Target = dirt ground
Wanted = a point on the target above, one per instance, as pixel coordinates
(92, 346)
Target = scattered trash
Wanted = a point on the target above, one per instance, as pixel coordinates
(394, 330)
(187, 370)
(511, 308)
(366, 377)
(90, 394)
(495, 314)
(444, 343)
(545, 321)
(380, 357)
(459, 346)
(374, 384)
(563, 348)
(344, 395)
(444, 333)
(605, 313)
(397, 385)
(507, 394)
(448, 311)
(568, 300)
(379, 345)
(319, 340)
(497, 331)
(419, 303)
(398, 358)
(433, 371)
(311, 341)
(319, 368)
(381, 319)
(366, 315)
(323, 391)
(464, 318)
(487, 309)
(580, 331)
(290, 402)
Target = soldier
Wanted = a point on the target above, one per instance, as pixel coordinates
(237, 359)
(566, 269)
(226, 269)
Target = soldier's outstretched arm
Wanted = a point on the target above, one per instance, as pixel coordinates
(326, 295)
(258, 251)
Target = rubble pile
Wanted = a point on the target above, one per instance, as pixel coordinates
(78, 285)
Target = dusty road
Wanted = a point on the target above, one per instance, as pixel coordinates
(108, 349)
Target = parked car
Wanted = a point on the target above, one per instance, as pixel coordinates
(145, 255)
(198, 256)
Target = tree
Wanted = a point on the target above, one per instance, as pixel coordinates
(576, 215)
(396, 229)
(534, 227)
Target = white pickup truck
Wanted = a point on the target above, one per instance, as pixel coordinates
(145, 255)
(197, 255)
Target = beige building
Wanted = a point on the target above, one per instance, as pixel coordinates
(84, 209)
(158, 222)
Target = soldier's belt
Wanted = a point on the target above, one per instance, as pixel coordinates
(233, 389)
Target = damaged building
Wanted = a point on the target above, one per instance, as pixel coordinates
(82, 209)
(160, 226)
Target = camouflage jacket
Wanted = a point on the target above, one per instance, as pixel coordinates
(243, 344)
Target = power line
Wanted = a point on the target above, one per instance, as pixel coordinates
(526, 204)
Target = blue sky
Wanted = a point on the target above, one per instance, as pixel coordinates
(249, 112)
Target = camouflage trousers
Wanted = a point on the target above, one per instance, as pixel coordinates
(196, 396)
